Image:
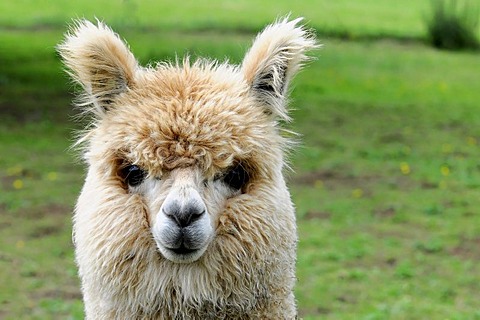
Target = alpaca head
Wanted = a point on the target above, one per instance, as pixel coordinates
(181, 150)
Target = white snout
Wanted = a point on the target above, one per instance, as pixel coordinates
(182, 229)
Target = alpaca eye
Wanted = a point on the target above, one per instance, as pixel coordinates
(236, 177)
(133, 175)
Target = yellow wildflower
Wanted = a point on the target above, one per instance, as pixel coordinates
(18, 184)
(405, 168)
(357, 193)
(445, 170)
(52, 176)
(472, 141)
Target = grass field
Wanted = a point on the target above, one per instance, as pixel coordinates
(386, 181)
(366, 18)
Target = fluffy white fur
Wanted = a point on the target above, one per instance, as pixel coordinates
(187, 126)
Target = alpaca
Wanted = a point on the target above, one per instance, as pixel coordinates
(185, 213)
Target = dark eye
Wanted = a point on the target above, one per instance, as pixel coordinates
(236, 177)
(133, 175)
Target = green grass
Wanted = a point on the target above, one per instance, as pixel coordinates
(350, 18)
(386, 182)
(39, 184)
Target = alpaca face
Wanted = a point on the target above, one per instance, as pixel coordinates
(182, 223)
(194, 148)
(178, 152)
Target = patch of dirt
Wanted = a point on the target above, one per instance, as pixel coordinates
(48, 226)
(469, 214)
(313, 312)
(44, 231)
(385, 212)
(68, 293)
(5, 258)
(468, 249)
(322, 215)
(428, 185)
(380, 260)
(333, 178)
(347, 299)
(312, 177)
(392, 137)
(4, 225)
(7, 182)
(391, 262)
(51, 209)
(54, 226)
(403, 183)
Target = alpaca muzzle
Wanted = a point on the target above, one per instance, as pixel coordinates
(182, 229)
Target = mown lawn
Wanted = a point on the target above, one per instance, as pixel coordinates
(386, 180)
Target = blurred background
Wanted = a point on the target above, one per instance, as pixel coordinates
(386, 180)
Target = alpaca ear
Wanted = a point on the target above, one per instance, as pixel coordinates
(275, 57)
(98, 60)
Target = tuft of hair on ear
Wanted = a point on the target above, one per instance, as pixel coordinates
(97, 59)
(277, 54)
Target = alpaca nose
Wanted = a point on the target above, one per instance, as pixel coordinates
(184, 204)
(183, 215)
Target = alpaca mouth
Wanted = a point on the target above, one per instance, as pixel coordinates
(182, 244)
(182, 254)
(182, 250)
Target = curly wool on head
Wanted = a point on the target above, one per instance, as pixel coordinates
(185, 213)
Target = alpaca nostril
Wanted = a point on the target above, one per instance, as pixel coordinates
(184, 217)
(197, 215)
